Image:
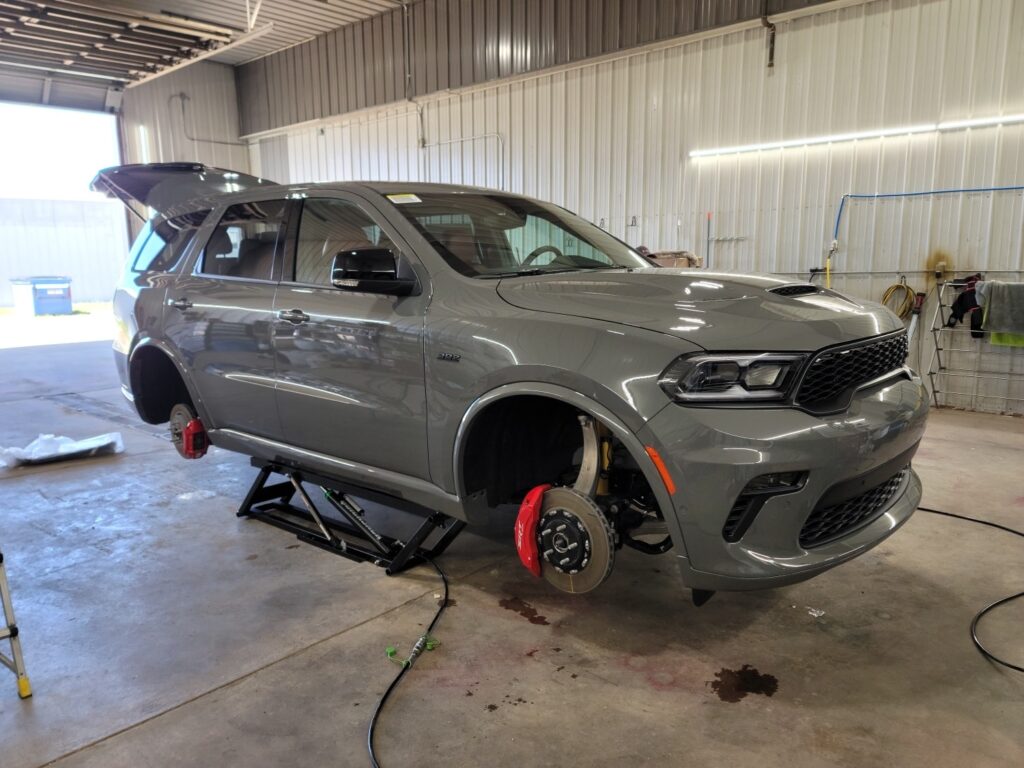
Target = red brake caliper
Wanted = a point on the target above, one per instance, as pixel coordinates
(526, 528)
(193, 439)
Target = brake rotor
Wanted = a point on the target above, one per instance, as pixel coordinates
(575, 541)
(181, 415)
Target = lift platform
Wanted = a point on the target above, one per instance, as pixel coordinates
(350, 534)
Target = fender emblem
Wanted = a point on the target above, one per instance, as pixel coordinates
(451, 357)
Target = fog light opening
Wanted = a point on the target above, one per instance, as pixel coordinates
(754, 496)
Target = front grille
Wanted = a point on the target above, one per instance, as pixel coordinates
(835, 373)
(800, 289)
(836, 520)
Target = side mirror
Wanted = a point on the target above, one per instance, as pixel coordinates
(373, 270)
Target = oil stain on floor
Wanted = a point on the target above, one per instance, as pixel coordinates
(523, 608)
(734, 684)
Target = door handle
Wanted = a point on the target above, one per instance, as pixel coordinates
(293, 316)
(181, 303)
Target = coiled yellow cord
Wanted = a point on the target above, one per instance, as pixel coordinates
(907, 305)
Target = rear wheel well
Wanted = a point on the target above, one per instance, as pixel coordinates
(156, 385)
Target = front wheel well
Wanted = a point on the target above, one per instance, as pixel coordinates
(519, 442)
(156, 385)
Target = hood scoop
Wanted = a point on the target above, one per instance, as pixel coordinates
(796, 289)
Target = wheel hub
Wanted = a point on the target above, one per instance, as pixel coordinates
(575, 542)
(563, 541)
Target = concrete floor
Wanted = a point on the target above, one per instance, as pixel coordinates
(159, 630)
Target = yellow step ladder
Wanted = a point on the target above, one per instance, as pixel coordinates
(9, 631)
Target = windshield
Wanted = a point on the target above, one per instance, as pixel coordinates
(494, 235)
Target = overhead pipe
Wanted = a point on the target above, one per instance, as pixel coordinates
(251, 14)
(885, 195)
(464, 139)
(183, 97)
(421, 128)
(771, 33)
(407, 47)
(834, 246)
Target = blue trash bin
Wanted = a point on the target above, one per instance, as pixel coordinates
(41, 295)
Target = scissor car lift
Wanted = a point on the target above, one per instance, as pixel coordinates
(352, 536)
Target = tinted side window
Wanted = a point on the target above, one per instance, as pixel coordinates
(328, 227)
(246, 241)
(168, 242)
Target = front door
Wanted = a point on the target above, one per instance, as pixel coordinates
(219, 316)
(350, 365)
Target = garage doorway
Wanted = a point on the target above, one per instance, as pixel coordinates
(61, 245)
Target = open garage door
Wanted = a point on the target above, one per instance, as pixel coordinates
(63, 246)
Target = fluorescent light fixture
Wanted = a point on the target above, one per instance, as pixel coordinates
(812, 140)
(980, 122)
(907, 130)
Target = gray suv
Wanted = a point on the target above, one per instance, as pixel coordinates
(462, 348)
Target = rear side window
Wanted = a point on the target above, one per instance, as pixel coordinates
(246, 241)
(167, 243)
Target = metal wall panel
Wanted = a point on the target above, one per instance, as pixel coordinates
(611, 141)
(89, 244)
(153, 127)
(31, 88)
(456, 43)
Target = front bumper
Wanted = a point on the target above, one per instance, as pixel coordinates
(712, 453)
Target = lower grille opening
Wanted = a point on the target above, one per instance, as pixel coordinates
(755, 494)
(828, 523)
(740, 517)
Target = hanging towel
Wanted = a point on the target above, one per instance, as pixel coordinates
(1006, 339)
(1004, 311)
(1004, 307)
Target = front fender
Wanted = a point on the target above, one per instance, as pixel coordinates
(617, 425)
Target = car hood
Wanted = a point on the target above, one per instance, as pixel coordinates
(717, 311)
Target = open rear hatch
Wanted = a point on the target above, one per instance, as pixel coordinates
(163, 186)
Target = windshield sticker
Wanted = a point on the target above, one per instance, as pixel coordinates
(404, 198)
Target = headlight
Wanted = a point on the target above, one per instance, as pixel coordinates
(703, 378)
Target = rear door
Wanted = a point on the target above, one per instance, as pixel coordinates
(160, 187)
(219, 315)
(350, 365)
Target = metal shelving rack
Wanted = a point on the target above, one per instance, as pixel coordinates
(939, 368)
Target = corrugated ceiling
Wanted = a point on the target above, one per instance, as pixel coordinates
(91, 46)
(109, 43)
(294, 20)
